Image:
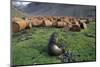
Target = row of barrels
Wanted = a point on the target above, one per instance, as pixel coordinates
(74, 24)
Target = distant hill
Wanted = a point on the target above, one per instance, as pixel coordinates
(50, 9)
(16, 13)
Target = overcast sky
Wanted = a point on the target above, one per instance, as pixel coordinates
(20, 3)
(23, 0)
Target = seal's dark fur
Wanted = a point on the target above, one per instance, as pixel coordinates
(53, 48)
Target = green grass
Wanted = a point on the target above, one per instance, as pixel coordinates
(29, 47)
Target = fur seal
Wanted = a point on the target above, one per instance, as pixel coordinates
(53, 48)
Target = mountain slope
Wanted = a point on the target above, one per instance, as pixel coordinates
(15, 12)
(50, 9)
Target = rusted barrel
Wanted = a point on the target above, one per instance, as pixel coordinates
(61, 24)
(18, 24)
(83, 25)
(75, 28)
(47, 23)
(36, 22)
(84, 21)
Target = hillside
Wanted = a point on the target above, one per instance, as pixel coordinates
(16, 12)
(50, 9)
